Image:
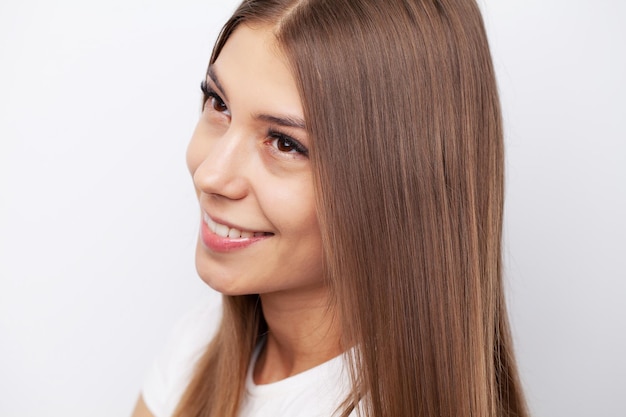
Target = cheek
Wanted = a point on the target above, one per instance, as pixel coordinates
(195, 153)
(296, 211)
(192, 159)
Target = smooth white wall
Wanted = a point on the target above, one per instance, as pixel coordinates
(562, 73)
(98, 218)
(98, 215)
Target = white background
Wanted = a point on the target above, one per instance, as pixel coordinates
(98, 218)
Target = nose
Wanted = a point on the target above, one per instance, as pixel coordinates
(222, 165)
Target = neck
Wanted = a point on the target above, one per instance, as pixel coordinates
(303, 333)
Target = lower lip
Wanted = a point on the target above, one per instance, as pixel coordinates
(218, 243)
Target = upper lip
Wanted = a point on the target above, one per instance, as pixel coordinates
(232, 225)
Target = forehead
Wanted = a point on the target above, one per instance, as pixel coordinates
(253, 70)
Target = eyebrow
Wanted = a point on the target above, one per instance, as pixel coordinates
(285, 121)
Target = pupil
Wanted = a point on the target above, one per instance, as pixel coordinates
(217, 105)
(284, 146)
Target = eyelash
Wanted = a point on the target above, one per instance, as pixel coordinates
(209, 93)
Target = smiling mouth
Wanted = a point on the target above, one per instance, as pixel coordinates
(230, 232)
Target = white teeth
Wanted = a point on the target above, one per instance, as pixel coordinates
(221, 230)
(225, 231)
(209, 222)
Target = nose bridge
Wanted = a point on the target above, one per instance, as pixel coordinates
(222, 170)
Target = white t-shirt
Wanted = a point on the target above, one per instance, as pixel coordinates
(317, 392)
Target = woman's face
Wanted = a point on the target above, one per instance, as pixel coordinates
(249, 160)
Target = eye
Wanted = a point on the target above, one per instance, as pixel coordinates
(285, 144)
(213, 99)
(218, 104)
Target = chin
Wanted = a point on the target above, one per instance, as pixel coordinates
(223, 285)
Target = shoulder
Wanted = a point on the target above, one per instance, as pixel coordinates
(171, 371)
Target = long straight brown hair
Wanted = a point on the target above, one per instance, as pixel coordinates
(402, 109)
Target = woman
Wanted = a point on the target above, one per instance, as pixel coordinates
(349, 169)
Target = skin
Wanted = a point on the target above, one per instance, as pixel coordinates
(263, 182)
(248, 178)
(141, 410)
(253, 172)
